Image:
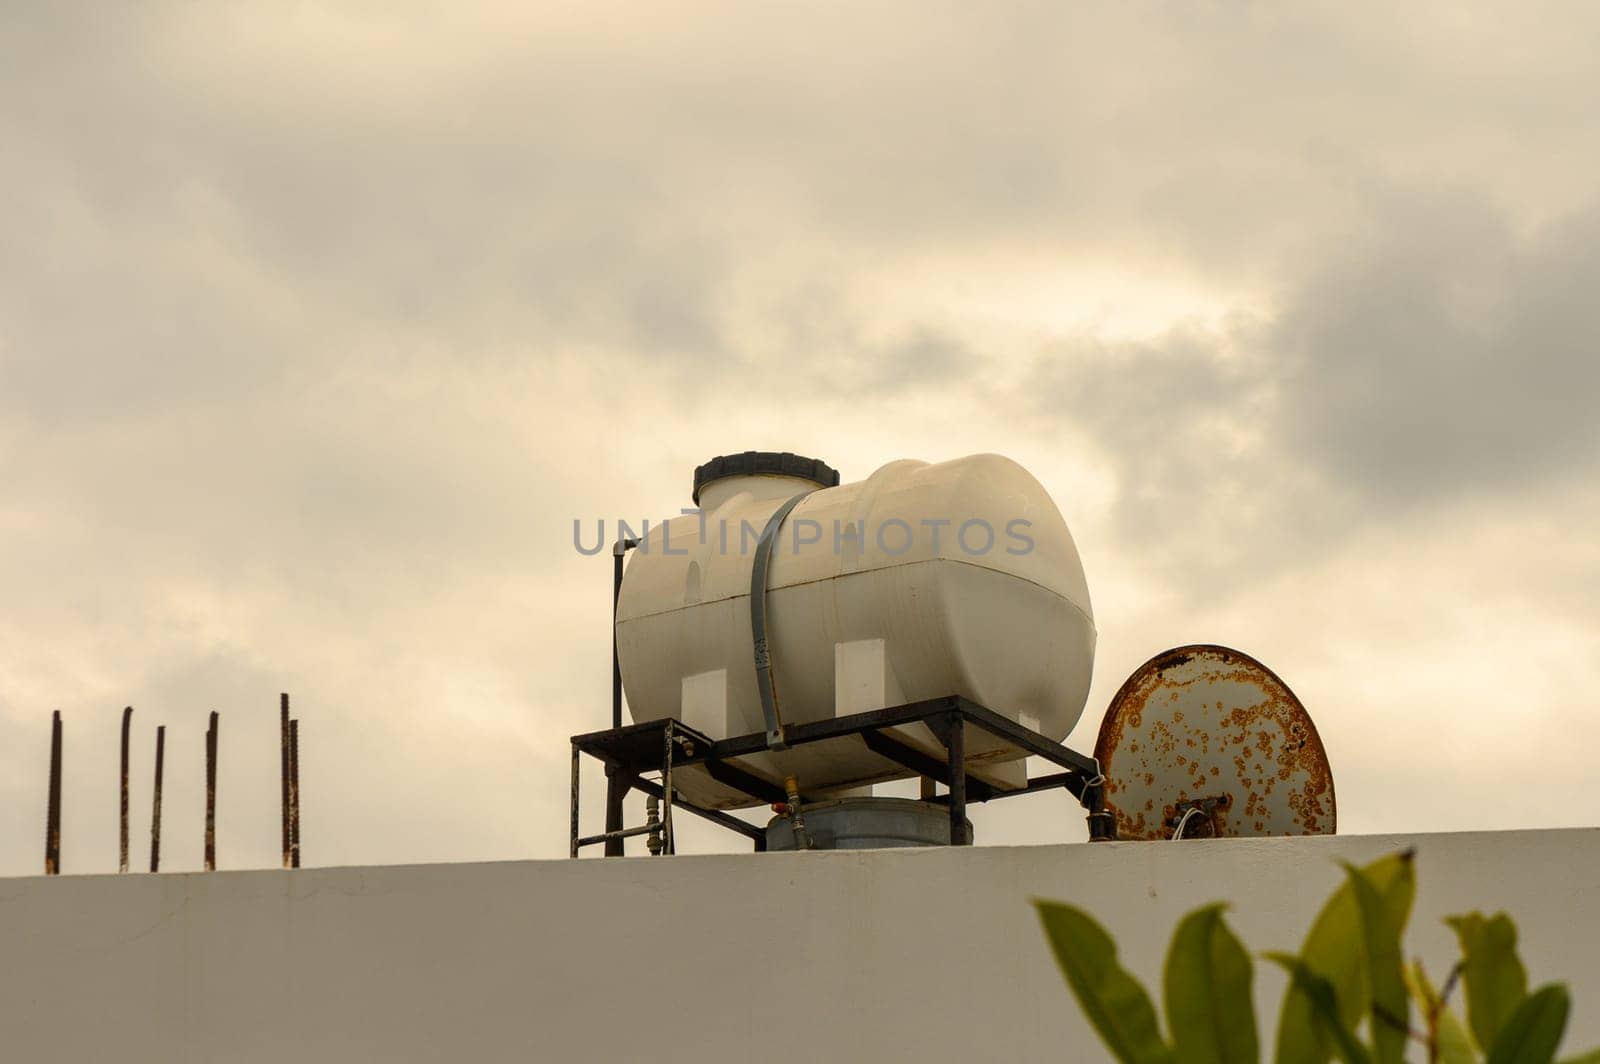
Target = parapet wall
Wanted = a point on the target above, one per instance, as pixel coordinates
(928, 955)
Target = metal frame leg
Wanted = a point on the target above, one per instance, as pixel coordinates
(669, 847)
(572, 812)
(616, 790)
(957, 744)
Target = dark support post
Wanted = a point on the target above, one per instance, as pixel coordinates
(283, 771)
(957, 744)
(122, 834)
(52, 814)
(294, 794)
(155, 802)
(211, 794)
(616, 790)
(616, 782)
(573, 811)
(669, 847)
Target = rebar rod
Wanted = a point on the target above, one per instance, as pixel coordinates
(52, 816)
(211, 794)
(122, 832)
(155, 802)
(294, 793)
(283, 752)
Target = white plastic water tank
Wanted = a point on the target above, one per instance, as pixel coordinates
(955, 578)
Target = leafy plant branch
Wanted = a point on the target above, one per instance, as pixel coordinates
(1349, 996)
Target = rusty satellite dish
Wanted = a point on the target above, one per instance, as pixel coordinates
(1206, 742)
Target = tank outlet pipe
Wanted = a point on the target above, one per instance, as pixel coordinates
(758, 623)
(796, 813)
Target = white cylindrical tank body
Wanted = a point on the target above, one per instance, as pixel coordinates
(922, 581)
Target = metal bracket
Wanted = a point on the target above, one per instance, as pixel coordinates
(1204, 811)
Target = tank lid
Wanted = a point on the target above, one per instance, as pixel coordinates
(764, 463)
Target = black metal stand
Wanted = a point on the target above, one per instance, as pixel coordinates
(662, 745)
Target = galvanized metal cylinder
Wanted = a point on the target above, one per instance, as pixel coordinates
(867, 824)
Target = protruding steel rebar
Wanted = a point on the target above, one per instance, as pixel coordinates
(52, 815)
(155, 802)
(211, 794)
(122, 834)
(283, 743)
(294, 793)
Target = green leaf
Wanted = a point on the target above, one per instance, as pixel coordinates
(1532, 1033)
(1113, 999)
(1326, 1015)
(1335, 950)
(1383, 922)
(1495, 979)
(1455, 1044)
(1207, 988)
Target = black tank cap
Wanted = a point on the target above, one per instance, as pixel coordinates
(764, 463)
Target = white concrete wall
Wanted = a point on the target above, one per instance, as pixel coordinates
(888, 955)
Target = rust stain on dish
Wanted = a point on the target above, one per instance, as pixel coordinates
(1221, 727)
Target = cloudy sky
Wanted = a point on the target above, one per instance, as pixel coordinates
(320, 325)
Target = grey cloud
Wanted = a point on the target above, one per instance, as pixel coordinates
(563, 186)
(1436, 357)
(1189, 422)
(1451, 357)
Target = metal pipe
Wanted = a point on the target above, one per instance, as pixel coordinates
(52, 815)
(618, 549)
(749, 831)
(294, 793)
(211, 794)
(283, 771)
(622, 833)
(155, 802)
(122, 833)
(797, 818)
